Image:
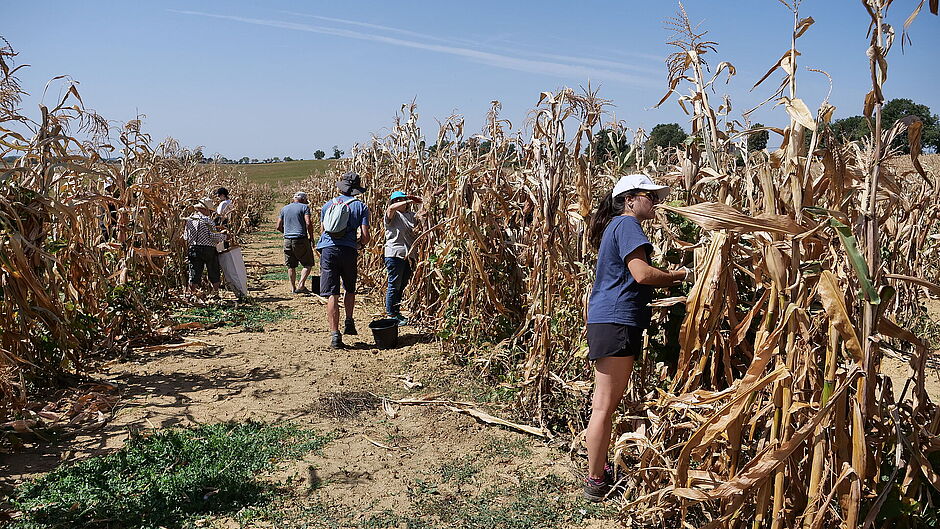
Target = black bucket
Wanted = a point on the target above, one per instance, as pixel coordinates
(385, 332)
(315, 284)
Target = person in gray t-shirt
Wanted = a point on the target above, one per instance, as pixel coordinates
(400, 224)
(295, 222)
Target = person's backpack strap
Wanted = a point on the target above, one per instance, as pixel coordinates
(339, 200)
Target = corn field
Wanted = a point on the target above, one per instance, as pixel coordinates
(91, 254)
(812, 260)
(760, 401)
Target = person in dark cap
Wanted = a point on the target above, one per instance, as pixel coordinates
(344, 222)
(224, 210)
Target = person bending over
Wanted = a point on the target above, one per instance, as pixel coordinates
(201, 239)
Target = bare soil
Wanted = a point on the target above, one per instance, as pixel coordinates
(289, 373)
(899, 369)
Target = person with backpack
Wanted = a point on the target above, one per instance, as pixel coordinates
(344, 230)
(295, 222)
(618, 310)
(399, 237)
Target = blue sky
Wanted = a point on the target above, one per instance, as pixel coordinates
(285, 78)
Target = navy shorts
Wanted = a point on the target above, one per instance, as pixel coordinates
(338, 263)
(613, 339)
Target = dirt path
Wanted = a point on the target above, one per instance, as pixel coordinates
(289, 373)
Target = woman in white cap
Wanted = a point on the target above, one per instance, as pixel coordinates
(618, 309)
(201, 238)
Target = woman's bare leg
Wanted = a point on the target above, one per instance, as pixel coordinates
(611, 376)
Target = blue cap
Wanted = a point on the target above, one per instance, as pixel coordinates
(397, 194)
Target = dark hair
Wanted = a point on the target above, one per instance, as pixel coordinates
(610, 207)
(221, 191)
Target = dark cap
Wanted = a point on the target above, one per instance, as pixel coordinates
(350, 184)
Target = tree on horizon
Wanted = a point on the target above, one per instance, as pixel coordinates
(666, 135)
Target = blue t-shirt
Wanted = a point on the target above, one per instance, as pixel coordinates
(295, 226)
(358, 216)
(616, 296)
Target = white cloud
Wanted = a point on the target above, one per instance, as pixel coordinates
(561, 66)
(372, 26)
(509, 46)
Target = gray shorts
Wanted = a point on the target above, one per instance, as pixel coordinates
(298, 251)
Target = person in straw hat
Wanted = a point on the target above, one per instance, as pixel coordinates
(201, 238)
(618, 310)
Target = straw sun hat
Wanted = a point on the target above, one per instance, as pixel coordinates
(204, 203)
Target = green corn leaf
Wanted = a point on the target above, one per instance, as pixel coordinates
(855, 255)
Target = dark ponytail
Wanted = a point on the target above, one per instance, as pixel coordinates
(610, 207)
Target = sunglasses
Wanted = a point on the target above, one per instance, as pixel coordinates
(651, 196)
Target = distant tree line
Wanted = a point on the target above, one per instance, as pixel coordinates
(337, 153)
(245, 159)
(856, 127)
(218, 158)
(612, 144)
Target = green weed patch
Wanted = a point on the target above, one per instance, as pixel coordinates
(280, 275)
(252, 317)
(165, 479)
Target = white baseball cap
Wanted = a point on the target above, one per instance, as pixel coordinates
(642, 182)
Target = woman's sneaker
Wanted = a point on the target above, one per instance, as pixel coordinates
(598, 489)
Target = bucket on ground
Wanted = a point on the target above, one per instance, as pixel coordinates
(315, 284)
(385, 332)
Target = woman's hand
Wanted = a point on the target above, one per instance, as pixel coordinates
(646, 274)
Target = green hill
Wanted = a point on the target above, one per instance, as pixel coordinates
(269, 173)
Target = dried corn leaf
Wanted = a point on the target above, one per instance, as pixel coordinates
(830, 294)
(718, 216)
